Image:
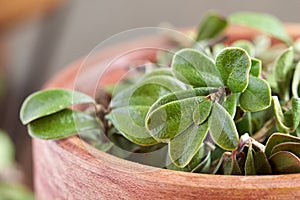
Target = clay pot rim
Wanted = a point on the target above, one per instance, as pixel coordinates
(75, 146)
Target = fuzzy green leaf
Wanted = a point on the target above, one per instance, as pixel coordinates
(280, 119)
(262, 165)
(195, 68)
(257, 95)
(47, 102)
(202, 112)
(234, 65)
(263, 22)
(204, 166)
(62, 124)
(171, 119)
(278, 138)
(231, 166)
(256, 67)
(284, 64)
(211, 26)
(184, 146)
(249, 163)
(296, 81)
(222, 128)
(284, 162)
(130, 107)
(230, 104)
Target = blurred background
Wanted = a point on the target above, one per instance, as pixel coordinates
(38, 38)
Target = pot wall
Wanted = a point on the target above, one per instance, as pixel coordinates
(66, 169)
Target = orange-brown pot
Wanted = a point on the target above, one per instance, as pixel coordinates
(65, 169)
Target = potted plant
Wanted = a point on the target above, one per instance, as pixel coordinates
(225, 106)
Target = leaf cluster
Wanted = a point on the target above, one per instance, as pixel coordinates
(220, 109)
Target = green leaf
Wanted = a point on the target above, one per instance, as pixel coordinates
(204, 166)
(284, 64)
(7, 151)
(179, 95)
(280, 119)
(293, 147)
(222, 128)
(195, 68)
(256, 67)
(184, 146)
(120, 118)
(62, 124)
(278, 138)
(246, 45)
(296, 112)
(210, 27)
(171, 119)
(43, 103)
(198, 157)
(296, 80)
(231, 166)
(234, 65)
(263, 22)
(250, 163)
(202, 112)
(130, 107)
(284, 162)
(257, 95)
(262, 165)
(230, 104)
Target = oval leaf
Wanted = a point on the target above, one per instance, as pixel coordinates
(284, 162)
(43, 103)
(211, 26)
(293, 147)
(183, 147)
(284, 64)
(234, 65)
(202, 111)
(278, 138)
(130, 107)
(280, 119)
(262, 165)
(252, 100)
(171, 119)
(62, 124)
(263, 22)
(195, 68)
(222, 128)
(249, 163)
(256, 67)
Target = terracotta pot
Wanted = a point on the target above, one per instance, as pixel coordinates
(66, 169)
